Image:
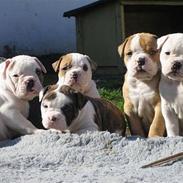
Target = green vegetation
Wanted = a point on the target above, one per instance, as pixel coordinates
(113, 95)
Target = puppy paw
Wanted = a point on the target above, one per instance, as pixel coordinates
(39, 131)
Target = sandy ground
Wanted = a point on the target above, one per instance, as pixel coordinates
(50, 157)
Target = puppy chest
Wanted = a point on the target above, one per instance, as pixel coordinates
(142, 100)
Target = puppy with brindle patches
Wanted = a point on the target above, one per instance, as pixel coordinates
(75, 70)
(66, 109)
(142, 104)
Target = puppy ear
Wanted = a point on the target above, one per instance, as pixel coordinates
(92, 63)
(5, 66)
(56, 64)
(121, 47)
(42, 93)
(40, 65)
(161, 41)
(79, 98)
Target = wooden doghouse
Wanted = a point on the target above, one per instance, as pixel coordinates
(103, 25)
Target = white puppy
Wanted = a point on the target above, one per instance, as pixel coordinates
(20, 82)
(171, 84)
(75, 70)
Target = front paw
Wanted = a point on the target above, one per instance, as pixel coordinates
(39, 131)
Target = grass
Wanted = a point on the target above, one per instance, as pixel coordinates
(113, 95)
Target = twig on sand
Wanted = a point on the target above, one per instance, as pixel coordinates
(162, 161)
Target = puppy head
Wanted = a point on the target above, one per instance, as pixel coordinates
(171, 56)
(75, 70)
(140, 55)
(23, 76)
(60, 106)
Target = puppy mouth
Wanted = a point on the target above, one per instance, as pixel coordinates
(140, 69)
(174, 75)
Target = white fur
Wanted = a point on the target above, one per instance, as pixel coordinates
(14, 97)
(54, 110)
(171, 87)
(85, 120)
(84, 84)
(82, 123)
(141, 95)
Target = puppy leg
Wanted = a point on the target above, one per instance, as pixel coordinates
(17, 122)
(171, 121)
(157, 127)
(134, 121)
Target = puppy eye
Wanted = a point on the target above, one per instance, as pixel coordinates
(15, 75)
(66, 108)
(152, 52)
(85, 67)
(129, 53)
(45, 106)
(38, 72)
(167, 53)
(64, 68)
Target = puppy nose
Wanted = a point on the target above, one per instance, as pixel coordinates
(176, 66)
(30, 84)
(141, 61)
(75, 75)
(52, 118)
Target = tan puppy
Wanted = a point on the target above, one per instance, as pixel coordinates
(75, 70)
(140, 89)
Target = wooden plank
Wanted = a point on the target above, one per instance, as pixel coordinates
(168, 3)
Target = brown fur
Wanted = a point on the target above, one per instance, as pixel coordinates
(64, 62)
(137, 126)
(108, 116)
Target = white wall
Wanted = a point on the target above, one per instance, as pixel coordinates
(37, 26)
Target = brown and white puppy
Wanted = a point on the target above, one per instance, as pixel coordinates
(66, 109)
(20, 82)
(140, 89)
(171, 84)
(75, 70)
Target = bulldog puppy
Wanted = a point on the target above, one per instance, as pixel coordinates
(171, 84)
(141, 86)
(65, 109)
(75, 70)
(20, 82)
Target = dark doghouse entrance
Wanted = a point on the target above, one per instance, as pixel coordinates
(157, 19)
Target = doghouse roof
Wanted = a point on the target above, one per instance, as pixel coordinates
(83, 9)
(99, 3)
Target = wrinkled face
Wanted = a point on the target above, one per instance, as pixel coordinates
(75, 71)
(141, 56)
(59, 109)
(23, 76)
(171, 56)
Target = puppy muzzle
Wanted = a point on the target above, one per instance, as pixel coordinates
(176, 66)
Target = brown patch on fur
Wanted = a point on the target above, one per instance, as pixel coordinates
(49, 93)
(108, 116)
(78, 98)
(148, 42)
(61, 65)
